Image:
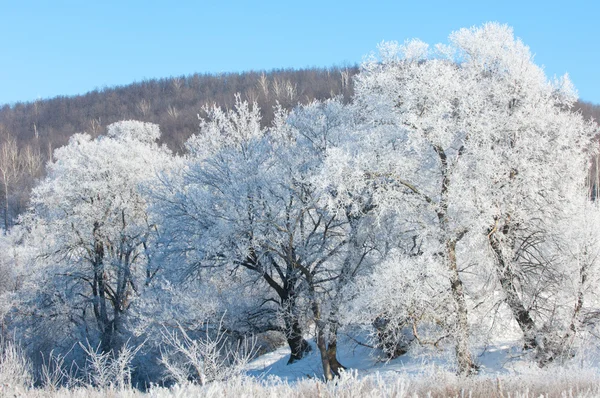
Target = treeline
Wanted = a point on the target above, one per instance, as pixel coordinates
(30, 131)
(588, 109)
(173, 102)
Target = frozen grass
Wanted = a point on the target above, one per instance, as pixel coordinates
(109, 377)
(15, 370)
(212, 358)
(552, 383)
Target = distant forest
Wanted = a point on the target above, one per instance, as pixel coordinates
(30, 131)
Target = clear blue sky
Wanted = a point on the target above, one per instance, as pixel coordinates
(51, 48)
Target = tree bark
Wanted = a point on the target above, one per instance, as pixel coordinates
(334, 363)
(99, 291)
(564, 348)
(299, 347)
(514, 302)
(321, 341)
(322, 345)
(327, 349)
(466, 365)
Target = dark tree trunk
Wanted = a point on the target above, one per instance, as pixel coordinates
(99, 290)
(106, 338)
(327, 350)
(334, 363)
(514, 302)
(299, 347)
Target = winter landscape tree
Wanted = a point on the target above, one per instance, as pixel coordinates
(248, 200)
(472, 141)
(89, 222)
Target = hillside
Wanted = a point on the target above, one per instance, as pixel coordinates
(172, 102)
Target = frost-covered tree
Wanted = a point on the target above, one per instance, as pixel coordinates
(249, 199)
(533, 155)
(451, 189)
(348, 240)
(211, 212)
(470, 143)
(89, 222)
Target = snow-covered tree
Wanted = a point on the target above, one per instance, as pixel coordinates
(249, 200)
(211, 210)
(89, 222)
(348, 239)
(450, 188)
(470, 143)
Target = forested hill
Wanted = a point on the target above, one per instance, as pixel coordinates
(173, 103)
(30, 131)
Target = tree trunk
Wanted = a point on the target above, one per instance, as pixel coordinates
(299, 347)
(514, 302)
(327, 349)
(583, 276)
(6, 208)
(106, 338)
(563, 348)
(320, 327)
(322, 345)
(463, 354)
(99, 291)
(335, 365)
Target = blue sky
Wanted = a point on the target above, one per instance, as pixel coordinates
(51, 48)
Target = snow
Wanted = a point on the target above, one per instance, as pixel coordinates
(501, 358)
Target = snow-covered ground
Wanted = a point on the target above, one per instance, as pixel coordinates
(503, 360)
(354, 356)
